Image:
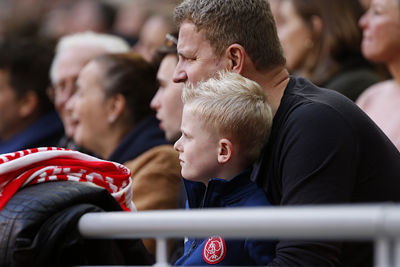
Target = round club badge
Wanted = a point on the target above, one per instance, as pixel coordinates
(214, 250)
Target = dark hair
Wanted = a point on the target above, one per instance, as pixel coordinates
(27, 62)
(108, 14)
(133, 77)
(247, 22)
(340, 39)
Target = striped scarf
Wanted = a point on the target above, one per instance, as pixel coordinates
(44, 164)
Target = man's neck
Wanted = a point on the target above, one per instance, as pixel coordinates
(273, 82)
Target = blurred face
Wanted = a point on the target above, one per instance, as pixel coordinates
(89, 110)
(294, 35)
(198, 149)
(9, 115)
(381, 31)
(167, 101)
(151, 37)
(197, 60)
(67, 69)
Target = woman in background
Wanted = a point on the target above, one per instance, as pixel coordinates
(381, 43)
(113, 119)
(321, 41)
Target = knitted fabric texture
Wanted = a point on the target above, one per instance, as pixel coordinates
(44, 164)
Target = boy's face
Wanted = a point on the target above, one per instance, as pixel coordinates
(198, 149)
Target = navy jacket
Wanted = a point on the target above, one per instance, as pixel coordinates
(46, 131)
(144, 136)
(215, 250)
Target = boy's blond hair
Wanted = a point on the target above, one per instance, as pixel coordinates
(235, 107)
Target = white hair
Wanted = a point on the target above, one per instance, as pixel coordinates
(107, 42)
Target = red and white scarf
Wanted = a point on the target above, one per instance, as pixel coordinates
(38, 165)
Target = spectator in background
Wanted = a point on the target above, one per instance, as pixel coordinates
(27, 116)
(152, 35)
(365, 3)
(56, 22)
(131, 16)
(381, 43)
(167, 101)
(168, 104)
(322, 149)
(111, 109)
(321, 41)
(72, 54)
(92, 15)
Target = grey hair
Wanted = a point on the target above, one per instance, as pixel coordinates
(109, 43)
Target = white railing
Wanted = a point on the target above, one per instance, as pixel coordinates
(378, 223)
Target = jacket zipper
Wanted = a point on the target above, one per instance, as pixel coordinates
(194, 243)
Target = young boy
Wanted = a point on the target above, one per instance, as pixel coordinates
(225, 122)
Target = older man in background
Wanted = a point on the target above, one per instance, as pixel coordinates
(73, 52)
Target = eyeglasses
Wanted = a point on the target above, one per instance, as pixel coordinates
(170, 40)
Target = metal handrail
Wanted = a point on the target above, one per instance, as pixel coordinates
(379, 223)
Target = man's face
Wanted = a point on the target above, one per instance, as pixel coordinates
(67, 69)
(197, 60)
(167, 101)
(9, 104)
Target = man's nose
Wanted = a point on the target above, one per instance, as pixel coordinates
(180, 75)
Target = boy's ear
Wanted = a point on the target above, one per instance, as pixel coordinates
(236, 55)
(225, 150)
(116, 107)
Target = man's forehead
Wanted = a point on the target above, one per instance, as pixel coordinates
(188, 33)
(71, 61)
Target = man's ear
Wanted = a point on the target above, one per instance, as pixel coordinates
(236, 55)
(116, 107)
(225, 150)
(28, 104)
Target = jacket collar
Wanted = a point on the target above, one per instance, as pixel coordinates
(144, 136)
(219, 192)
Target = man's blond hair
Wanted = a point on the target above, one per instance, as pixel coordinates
(235, 107)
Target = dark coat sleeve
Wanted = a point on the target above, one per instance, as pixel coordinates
(39, 228)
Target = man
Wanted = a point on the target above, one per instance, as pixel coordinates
(27, 116)
(72, 54)
(167, 101)
(322, 149)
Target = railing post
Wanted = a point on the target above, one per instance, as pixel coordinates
(161, 253)
(396, 253)
(382, 252)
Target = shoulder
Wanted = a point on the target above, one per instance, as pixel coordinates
(313, 116)
(162, 157)
(251, 196)
(377, 91)
(166, 152)
(352, 83)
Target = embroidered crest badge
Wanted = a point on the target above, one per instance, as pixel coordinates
(214, 250)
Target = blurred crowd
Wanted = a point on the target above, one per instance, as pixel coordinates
(53, 19)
